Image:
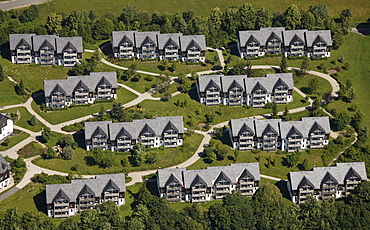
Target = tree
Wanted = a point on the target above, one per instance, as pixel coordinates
(283, 65)
(321, 12)
(2, 74)
(239, 69)
(102, 28)
(346, 17)
(178, 23)
(263, 19)
(33, 120)
(46, 134)
(307, 20)
(312, 85)
(305, 165)
(292, 159)
(19, 88)
(67, 141)
(247, 17)
(125, 162)
(236, 154)
(29, 14)
(174, 66)
(292, 17)
(357, 120)
(11, 219)
(49, 154)
(67, 153)
(305, 66)
(209, 118)
(139, 154)
(342, 120)
(117, 112)
(215, 20)
(54, 23)
(268, 194)
(185, 83)
(274, 110)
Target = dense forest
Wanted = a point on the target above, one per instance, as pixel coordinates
(266, 210)
(219, 27)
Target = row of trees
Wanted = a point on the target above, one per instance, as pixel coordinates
(220, 27)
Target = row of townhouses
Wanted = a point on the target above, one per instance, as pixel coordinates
(4, 172)
(240, 90)
(64, 200)
(274, 134)
(277, 40)
(153, 44)
(161, 131)
(212, 183)
(45, 50)
(80, 89)
(326, 182)
(6, 126)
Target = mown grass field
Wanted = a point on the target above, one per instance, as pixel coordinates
(13, 140)
(166, 157)
(8, 95)
(361, 9)
(195, 112)
(24, 118)
(60, 116)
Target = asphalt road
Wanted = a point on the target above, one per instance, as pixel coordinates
(8, 5)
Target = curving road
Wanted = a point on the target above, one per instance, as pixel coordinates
(15, 4)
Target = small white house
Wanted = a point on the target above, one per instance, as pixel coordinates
(6, 127)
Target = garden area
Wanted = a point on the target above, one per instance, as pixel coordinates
(14, 139)
(82, 162)
(24, 119)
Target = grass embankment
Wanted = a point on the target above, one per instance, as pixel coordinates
(17, 137)
(319, 157)
(24, 118)
(8, 95)
(81, 158)
(59, 116)
(195, 112)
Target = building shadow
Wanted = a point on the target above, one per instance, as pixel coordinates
(40, 201)
(282, 185)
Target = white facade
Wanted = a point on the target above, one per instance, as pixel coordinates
(6, 127)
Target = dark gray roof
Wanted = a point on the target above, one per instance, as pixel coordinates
(188, 40)
(165, 174)
(157, 125)
(140, 37)
(237, 124)
(317, 175)
(4, 165)
(210, 174)
(62, 42)
(3, 121)
(117, 37)
(290, 34)
(39, 40)
(96, 185)
(247, 84)
(266, 125)
(262, 35)
(69, 84)
(91, 127)
(14, 39)
(164, 39)
(311, 37)
(204, 80)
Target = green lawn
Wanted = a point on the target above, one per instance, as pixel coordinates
(33, 76)
(31, 149)
(8, 95)
(195, 112)
(124, 96)
(143, 85)
(13, 140)
(24, 119)
(323, 86)
(155, 66)
(29, 199)
(361, 9)
(166, 157)
(355, 50)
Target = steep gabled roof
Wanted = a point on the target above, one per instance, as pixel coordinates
(252, 39)
(222, 176)
(329, 177)
(91, 127)
(125, 39)
(39, 41)
(171, 179)
(280, 82)
(64, 43)
(14, 40)
(4, 164)
(193, 44)
(187, 41)
(212, 84)
(124, 132)
(315, 127)
(258, 86)
(269, 129)
(148, 40)
(293, 131)
(147, 128)
(81, 84)
(304, 182)
(57, 88)
(98, 131)
(144, 37)
(23, 42)
(204, 81)
(244, 129)
(246, 173)
(235, 84)
(170, 126)
(172, 42)
(198, 180)
(352, 172)
(273, 35)
(117, 37)
(86, 189)
(103, 80)
(60, 194)
(111, 184)
(319, 39)
(291, 36)
(311, 36)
